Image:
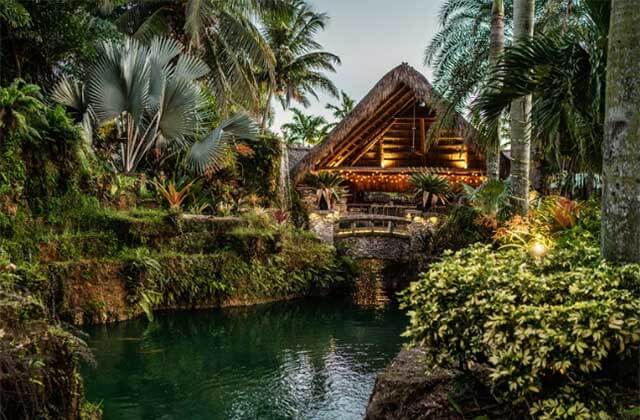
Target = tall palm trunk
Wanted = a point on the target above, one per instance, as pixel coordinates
(523, 16)
(267, 110)
(496, 46)
(621, 148)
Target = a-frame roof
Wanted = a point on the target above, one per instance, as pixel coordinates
(398, 89)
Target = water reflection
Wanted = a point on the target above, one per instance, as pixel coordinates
(370, 291)
(298, 360)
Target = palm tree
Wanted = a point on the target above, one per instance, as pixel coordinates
(621, 164)
(523, 16)
(496, 47)
(304, 129)
(223, 31)
(152, 95)
(432, 189)
(328, 186)
(341, 110)
(299, 61)
(564, 69)
(22, 110)
(459, 52)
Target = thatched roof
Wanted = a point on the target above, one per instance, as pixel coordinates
(403, 82)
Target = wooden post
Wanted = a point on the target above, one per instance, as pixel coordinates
(381, 152)
(422, 137)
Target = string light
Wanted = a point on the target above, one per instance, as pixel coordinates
(401, 181)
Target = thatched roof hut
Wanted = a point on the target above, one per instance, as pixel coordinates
(395, 130)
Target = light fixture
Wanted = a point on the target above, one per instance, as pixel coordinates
(538, 249)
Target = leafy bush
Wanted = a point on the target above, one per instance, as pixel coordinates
(39, 360)
(549, 328)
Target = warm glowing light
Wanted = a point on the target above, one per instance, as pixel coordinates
(434, 220)
(538, 249)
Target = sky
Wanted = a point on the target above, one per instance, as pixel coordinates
(371, 37)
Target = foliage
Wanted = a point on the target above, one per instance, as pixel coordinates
(173, 194)
(491, 198)
(459, 229)
(160, 105)
(260, 171)
(295, 263)
(224, 33)
(21, 110)
(341, 110)
(459, 51)
(39, 359)
(328, 186)
(547, 327)
(38, 40)
(299, 62)
(431, 189)
(564, 69)
(304, 129)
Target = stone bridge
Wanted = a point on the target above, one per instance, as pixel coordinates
(369, 236)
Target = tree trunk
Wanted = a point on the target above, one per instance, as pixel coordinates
(523, 16)
(620, 238)
(267, 108)
(496, 46)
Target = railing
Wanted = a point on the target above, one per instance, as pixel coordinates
(371, 224)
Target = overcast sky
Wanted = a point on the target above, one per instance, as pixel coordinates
(371, 37)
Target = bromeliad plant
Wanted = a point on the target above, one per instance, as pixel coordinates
(329, 188)
(153, 95)
(431, 189)
(174, 193)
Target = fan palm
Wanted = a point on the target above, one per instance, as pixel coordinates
(304, 129)
(432, 189)
(152, 94)
(21, 110)
(300, 65)
(224, 31)
(341, 110)
(328, 186)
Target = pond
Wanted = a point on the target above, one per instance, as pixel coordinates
(304, 359)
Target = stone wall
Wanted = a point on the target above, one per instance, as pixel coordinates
(384, 247)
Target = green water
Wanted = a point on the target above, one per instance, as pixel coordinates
(307, 359)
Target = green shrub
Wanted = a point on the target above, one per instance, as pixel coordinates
(547, 326)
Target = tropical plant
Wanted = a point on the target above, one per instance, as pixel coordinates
(564, 69)
(155, 101)
(22, 110)
(571, 316)
(39, 41)
(173, 192)
(523, 18)
(621, 165)
(459, 52)
(431, 189)
(341, 110)
(491, 198)
(329, 187)
(224, 32)
(300, 64)
(304, 129)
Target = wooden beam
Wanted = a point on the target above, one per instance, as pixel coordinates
(386, 115)
(382, 152)
(422, 136)
(369, 146)
(366, 125)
